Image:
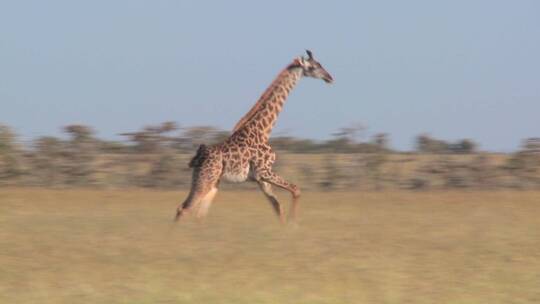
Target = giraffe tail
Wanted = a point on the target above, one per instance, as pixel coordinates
(199, 157)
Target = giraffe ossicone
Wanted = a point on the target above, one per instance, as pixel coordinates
(246, 154)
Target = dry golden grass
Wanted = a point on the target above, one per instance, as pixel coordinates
(82, 246)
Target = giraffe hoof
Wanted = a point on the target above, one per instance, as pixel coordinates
(178, 216)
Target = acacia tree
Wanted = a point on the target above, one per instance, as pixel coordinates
(524, 165)
(427, 144)
(10, 163)
(192, 137)
(80, 153)
(152, 139)
(48, 161)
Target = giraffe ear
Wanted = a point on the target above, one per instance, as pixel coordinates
(310, 54)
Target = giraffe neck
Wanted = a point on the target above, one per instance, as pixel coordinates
(263, 115)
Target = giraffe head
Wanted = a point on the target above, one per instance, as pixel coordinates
(312, 68)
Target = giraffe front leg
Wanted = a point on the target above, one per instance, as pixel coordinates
(276, 180)
(267, 190)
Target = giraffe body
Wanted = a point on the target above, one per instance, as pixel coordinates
(246, 154)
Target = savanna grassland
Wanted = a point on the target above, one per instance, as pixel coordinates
(121, 246)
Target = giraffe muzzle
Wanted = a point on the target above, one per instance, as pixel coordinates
(328, 79)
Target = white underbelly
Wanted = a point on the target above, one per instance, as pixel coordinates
(236, 175)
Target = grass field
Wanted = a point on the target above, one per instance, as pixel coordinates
(83, 246)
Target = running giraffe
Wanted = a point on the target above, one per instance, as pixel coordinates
(246, 154)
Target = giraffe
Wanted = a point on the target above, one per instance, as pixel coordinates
(246, 154)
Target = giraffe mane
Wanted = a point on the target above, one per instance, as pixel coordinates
(249, 115)
(257, 106)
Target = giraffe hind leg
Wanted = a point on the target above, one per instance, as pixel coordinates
(206, 201)
(203, 188)
(194, 200)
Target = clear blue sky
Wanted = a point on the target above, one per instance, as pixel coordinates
(453, 69)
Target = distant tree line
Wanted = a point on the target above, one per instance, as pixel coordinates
(428, 144)
(156, 157)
